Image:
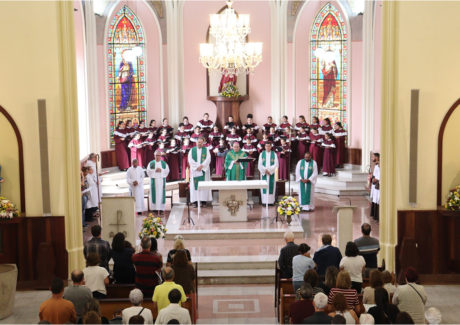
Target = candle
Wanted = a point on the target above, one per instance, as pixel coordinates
(276, 175)
(187, 175)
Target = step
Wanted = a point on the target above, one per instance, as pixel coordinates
(235, 262)
(235, 233)
(236, 276)
(340, 182)
(354, 175)
(341, 192)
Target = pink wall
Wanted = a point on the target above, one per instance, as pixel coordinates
(356, 94)
(195, 25)
(378, 74)
(153, 76)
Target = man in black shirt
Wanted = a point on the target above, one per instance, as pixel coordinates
(99, 246)
(287, 253)
(326, 256)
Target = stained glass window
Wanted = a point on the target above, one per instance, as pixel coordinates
(126, 69)
(329, 66)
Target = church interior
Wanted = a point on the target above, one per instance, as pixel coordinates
(228, 131)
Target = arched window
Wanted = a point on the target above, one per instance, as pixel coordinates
(126, 69)
(329, 66)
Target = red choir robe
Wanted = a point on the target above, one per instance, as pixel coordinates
(340, 136)
(214, 138)
(261, 145)
(172, 158)
(121, 148)
(188, 128)
(329, 158)
(194, 137)
(283, 126)
(251, 151)
(229, 125)
(137, 151)
(315, 126)
(143, 131)
(275, 138)
(316, 149)
(267, 127)
(253, 126)
(154, 130)
(149, 150)
(250, 136)
(232, 138)
(180, 136)
(220, 152)
(284, 153)
(206, 126)
(300, 125)
(212, 164)
(168, 128)
(184, 150)
(163, 139)
(325, 129)
(303, 145)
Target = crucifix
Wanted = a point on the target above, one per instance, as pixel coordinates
(233, 205)
(118, 224)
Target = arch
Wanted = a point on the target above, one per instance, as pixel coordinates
(440, 150)
(20, 158)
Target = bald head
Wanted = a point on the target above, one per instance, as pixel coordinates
(236, 146)
(289, 236)
(167, 273)
(77, 277)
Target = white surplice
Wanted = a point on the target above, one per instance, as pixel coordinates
(92, 186)
(92, 164)
(375, 193)
(202, 195)
(312, 178)
(137, 191)
(160, 181)
(268, 198)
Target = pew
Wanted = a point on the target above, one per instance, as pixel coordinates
(285, 304)
(119, 290)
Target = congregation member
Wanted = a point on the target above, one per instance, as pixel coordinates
(174, 311)
(206, 124)
(375, 282)
(91, 318)
(411, 297)
(78, 293)
(122, 252)
(343, 286)
(314, 123)
(354, 264)
(368, 246)
(306, 174)
(268, 165)
(154, 248)
(184, 271)
(316, 149)
(250, 125)
(326, 255)
(339, 303)
(340, 135)
(269, 125)
(57, 310)
(302, 308)
(375, 187)
(230, 124)
(251, 151)
(320, 316)
(303, 143)
(326, 127)
(287, 253)
(330, 279)
(158, 170)
(301, 263)
(160, 295)
(312, 278)
(338, 319)
(220, 152)
(172, 158)
(121, 147)
(329, 159)
(404, 318)
(99, 246)
(188, 127)
(284, 159)
(135, 180)
(136, 297)
(94, 306)
(178, 245)
(199, 160)
(388, 282)
(383, 312)
(235, 170)
(433, 316)
(366, 319)
(148, 266)
(96, 277)
(233, 136)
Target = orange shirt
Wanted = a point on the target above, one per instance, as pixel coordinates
(58, 311)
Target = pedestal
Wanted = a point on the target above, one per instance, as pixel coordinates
(233, 206)
(119, 215)
(226, 107)
(8, 280)
(344, 226)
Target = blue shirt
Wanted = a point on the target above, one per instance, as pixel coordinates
(300, 265)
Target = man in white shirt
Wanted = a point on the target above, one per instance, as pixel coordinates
(136, 297)
(135, 180)
(158, 170)
(199, 159)
(375, 187)
(173, 310)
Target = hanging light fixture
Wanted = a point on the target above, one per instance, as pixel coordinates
(230, 54)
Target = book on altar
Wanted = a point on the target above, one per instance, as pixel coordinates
(242, 160)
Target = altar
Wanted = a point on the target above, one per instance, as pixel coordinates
(233, 198)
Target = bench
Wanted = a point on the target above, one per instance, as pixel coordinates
(285, 305)
(119, 290)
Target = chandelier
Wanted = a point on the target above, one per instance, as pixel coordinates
(231, 54)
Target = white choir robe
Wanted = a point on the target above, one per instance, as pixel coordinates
(375, 193)
(312, 179)
(92, 186)
(92, 164)
(160, 183)
(202, 195)
(268, 198)
(137, 191)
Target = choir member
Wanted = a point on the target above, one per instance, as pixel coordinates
(188, 127)
(220, 151)
(164, 137)
(210, 146)
(269, 124)
(149, 149)
(306, 173)
(314, 124)
(172, 157)
(184, 150)
(199, 159)
(158, 170)
(274, 136)
(206, 124)
(93, 202)
(121, 147)
(196, 135)
(265, 139)
(326, 127)
(162, 150)
(230, 124)
(340, 135)
(167, 127)
(251, 150)
(181, 134)
(284, 155)
(284, 123)
(250, 135)
(153, 127)
(303, 143)
(267, 165)
(301, 124)
(329, 158)
(315, 147)
(136, 146)
(233, 137)
(250, 125)
(135, 180)
(215, 136)
(142, 130)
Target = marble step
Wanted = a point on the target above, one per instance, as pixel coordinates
(342, 192)
(324, 181)
(236, 276)
(235, 233)
(235, 262)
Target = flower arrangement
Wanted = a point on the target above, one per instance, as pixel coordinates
(288, 206)
(230, 90)
(152, 227)
(453, 199)
(7, 209)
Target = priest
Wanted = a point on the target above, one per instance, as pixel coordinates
(199, 159)
(234, 170)
(158, 170)
(268, 164)
(306, 173)
(135, 180)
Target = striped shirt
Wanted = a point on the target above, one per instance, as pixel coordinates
(147, 264)
(350, 296)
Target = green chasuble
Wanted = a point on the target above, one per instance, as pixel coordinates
(195, 158)
(305, 188)
(236, 173)
(152, 183)
(271, 179)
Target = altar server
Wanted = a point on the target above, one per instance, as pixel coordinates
(158, 170)
(306, 173)
(199, 159)
(135, 180)
(234, 170)
(268, 164)
(375, 188)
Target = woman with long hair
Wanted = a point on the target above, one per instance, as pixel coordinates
(122, 252)
(184, 272)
